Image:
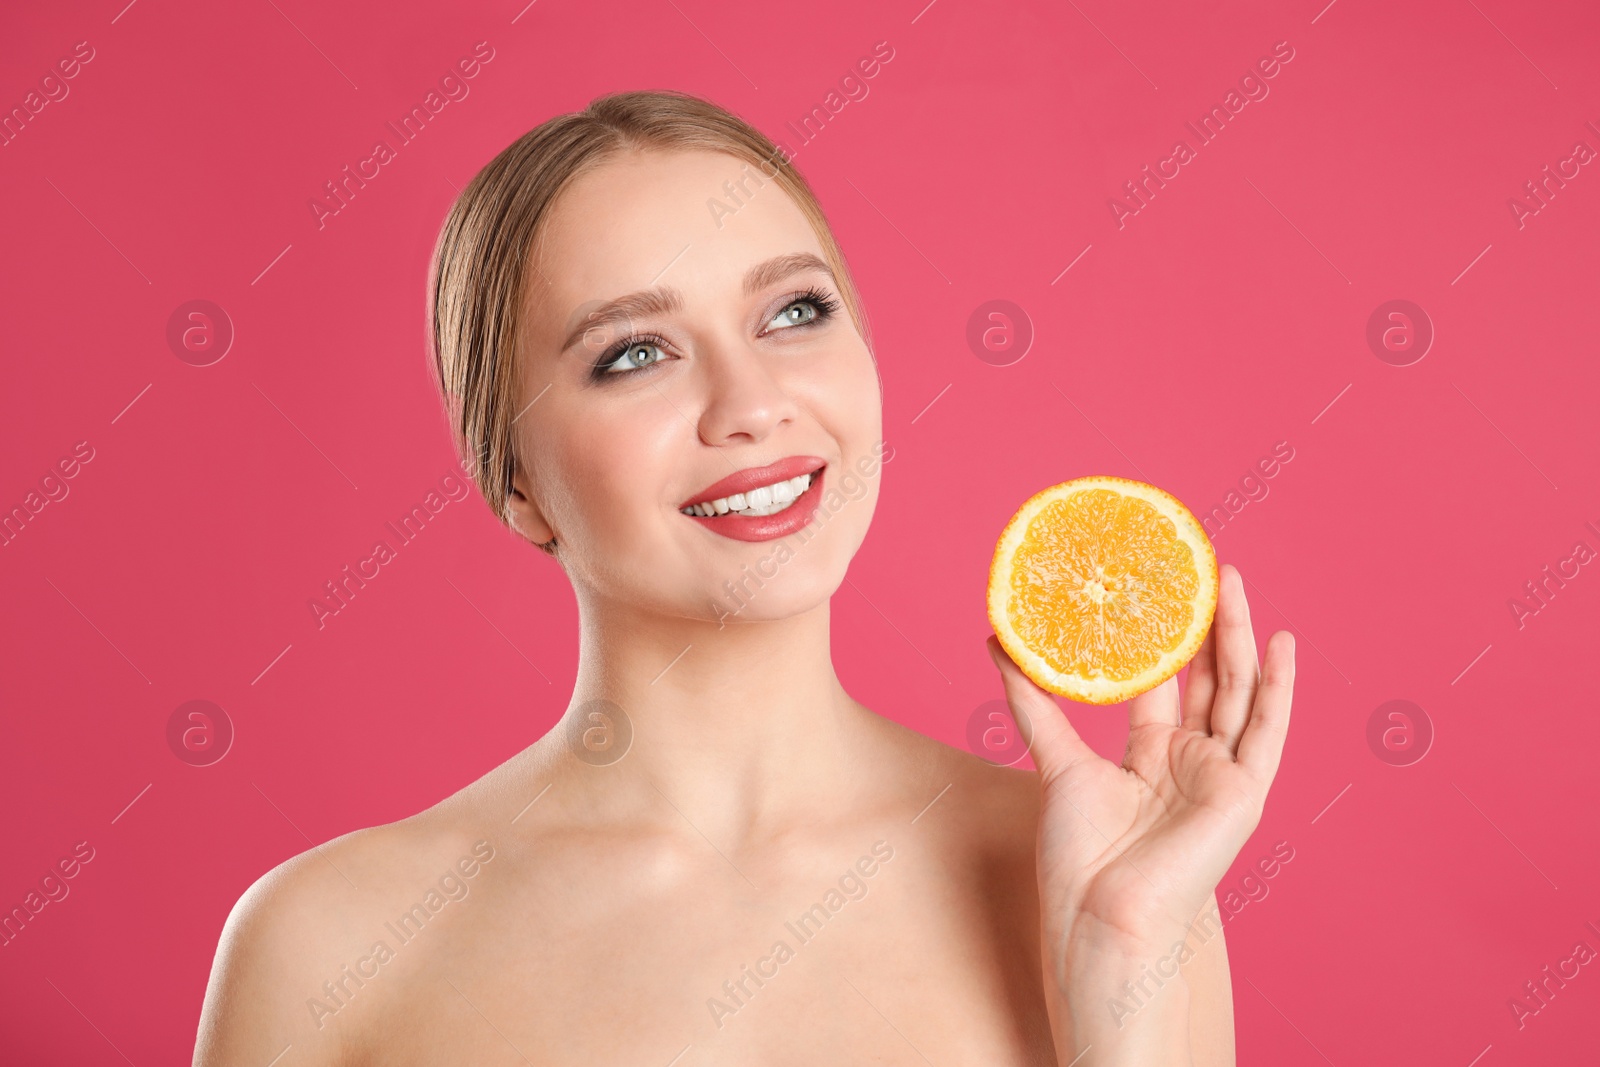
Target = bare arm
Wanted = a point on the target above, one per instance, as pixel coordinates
(1125, 1001)
(1210, 992)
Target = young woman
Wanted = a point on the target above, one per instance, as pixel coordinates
(718, 856)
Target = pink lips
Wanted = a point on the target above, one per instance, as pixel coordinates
(755, 477)
(763, 527)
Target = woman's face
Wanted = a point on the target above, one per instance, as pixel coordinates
(732, 351)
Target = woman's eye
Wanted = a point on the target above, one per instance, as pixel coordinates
(637, 355)
(808, 310)
(798, 313)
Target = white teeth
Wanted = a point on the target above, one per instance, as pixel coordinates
(766, 500)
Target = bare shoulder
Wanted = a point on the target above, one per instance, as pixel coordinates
(297, 943)
(980, 800)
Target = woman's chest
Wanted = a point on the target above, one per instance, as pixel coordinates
(896, 966)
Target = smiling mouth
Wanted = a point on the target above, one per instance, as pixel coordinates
(765, 500)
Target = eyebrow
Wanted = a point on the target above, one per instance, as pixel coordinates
(663, 299)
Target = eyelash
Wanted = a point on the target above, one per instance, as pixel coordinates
(826, 307)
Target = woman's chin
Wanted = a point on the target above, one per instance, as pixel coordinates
(749, 598)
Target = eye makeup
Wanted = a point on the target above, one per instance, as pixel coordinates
(621, 359)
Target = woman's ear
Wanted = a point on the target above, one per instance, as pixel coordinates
(523, 514)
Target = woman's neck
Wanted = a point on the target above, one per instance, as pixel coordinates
(744, 729)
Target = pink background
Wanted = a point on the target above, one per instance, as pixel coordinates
(1227, 315)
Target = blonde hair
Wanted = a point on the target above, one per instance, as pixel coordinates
(478, 275)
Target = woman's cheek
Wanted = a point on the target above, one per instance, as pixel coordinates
(849, 391)
(868, 404)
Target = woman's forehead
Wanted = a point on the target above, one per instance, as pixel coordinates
(692, 219)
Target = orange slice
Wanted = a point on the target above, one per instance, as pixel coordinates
(1102, 588)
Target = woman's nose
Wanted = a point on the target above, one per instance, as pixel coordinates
(744, 399)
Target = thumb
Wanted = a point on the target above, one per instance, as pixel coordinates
(1052, 742)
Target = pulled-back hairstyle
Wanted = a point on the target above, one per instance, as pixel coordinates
(478, 279)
